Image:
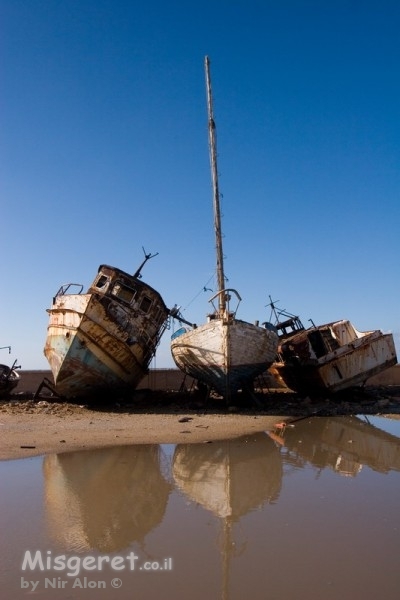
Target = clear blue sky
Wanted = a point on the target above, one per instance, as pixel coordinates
(104, 150)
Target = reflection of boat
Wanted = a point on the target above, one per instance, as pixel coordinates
(344, 444)
(225, 353)
(9, 378)
(104, 499)
(104, 340)
(230, 479)
(329, 358)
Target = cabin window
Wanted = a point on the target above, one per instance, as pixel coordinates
(123, 292)
(145, 304)
(102, 281)
(322, 341)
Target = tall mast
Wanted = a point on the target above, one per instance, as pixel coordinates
(212, 135)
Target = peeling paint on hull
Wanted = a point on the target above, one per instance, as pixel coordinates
(104, 340)
(225, 355)
(350, 359)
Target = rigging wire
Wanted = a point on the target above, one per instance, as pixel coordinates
(203, 289)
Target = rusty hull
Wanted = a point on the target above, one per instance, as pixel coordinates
(103, 341)
(333, 357)
(224, 354)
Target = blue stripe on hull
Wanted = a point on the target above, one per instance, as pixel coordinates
(82, 374)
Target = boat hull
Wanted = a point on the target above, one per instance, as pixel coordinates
(225, 355)
(348, 366)
(98, 345)
(9, 380)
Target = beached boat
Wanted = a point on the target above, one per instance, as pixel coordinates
(9, 378)
(329, 358)
(102, 341)
(225, 353)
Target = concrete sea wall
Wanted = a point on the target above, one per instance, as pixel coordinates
(173, 379)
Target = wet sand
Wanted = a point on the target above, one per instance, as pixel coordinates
(40, 432)
(35, 427)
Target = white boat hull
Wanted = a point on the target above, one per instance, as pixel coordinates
(357, 357)
(225, 355)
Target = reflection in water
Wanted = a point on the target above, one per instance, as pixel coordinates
(230, 479)
(344, 444)
(104, 499)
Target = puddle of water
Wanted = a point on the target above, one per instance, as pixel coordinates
(310, 511)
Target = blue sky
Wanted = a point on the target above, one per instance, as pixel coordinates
(104, 150)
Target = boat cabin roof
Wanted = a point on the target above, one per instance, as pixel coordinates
(114, 273)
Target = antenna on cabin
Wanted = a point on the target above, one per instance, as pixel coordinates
(291, 319)
(274, 310)
(147, 256)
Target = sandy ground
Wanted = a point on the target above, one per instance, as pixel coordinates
(34, 427)
(41, 432)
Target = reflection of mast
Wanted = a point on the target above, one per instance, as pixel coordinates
(230, 479)
(226, 555)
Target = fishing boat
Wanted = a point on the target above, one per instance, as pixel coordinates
(225, 353)
(102, 341)
(9, 378)
(329, 358)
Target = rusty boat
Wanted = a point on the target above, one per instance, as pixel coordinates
(224, 354)
(329, 358)
(9, 378)
(102, 341)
